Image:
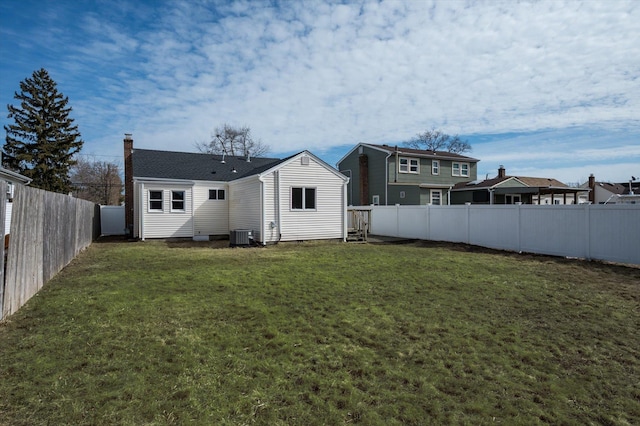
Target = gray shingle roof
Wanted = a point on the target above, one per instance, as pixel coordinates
(149, 163)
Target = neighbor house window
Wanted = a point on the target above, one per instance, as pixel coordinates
(303, 198)
(155, 201)
(177, 201)
(216, 194)
(460, 169)
(435, 167)
(409, 165)
(375, 200)
(436, 197)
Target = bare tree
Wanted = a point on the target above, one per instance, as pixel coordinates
(437, 140)
(234, 141)
(97, 181)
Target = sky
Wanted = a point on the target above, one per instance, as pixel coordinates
(545, 88)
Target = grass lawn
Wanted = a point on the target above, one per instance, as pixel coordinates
(324, 333)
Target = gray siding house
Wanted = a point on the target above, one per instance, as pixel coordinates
(386, 175)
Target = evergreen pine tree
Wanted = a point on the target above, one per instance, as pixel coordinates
(42, 142)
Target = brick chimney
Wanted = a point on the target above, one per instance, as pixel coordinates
(364, 179)
(128, 184)
(592, 187)
(501, 171)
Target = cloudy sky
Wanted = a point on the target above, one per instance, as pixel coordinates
(546, 88)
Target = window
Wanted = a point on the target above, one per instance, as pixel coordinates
(436, 197)
(375, 200)
(460, 169)
(216, 194)
(155, 200)
(512, 199)
(177, 201)
(409, 165)
(303, 198)
(435, 167)
(402, 194)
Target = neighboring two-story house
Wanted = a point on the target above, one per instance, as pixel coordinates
(386, 175)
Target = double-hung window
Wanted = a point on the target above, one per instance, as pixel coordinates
(436, 197)
(435, 167)
(216, 194)
(155, 201)
(409, 165)
(303, 198)
(460, 169)
(177, 201)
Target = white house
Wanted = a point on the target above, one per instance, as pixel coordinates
(193, 195)
(613, 193)
(12, 179)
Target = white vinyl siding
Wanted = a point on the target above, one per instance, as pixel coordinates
(244, 204)
(326, 220)
(211, 217)
(166, 223)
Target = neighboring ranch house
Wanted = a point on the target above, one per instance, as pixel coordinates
(385, 175)
(193, 195)
(613, 193)
(504, 189)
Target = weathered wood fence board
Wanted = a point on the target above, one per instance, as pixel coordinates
(48, 230)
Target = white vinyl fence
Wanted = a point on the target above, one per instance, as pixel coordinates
(601, 232)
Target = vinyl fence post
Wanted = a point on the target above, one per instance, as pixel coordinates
(587, 234)
(3, 212)
(468, 205)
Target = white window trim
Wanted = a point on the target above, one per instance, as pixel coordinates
(409, 165)
(304, 199)
(184, 201)
(161, 199)
(459, 172)
(435, 167)
(375, 200)
(217, 193)
(432, 193)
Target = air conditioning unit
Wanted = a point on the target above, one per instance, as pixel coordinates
(240, 237)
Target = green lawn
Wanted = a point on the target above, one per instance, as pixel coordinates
(324, 333)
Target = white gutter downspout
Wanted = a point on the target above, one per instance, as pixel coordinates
(449, 195)
(278, 222)
(386, 179)
(262, 215)
(349, 182)
(345, 212)
(141, 214)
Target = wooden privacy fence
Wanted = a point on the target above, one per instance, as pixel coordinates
(609, 232)
(48, 230)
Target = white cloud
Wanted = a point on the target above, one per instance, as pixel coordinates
(314, 75)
